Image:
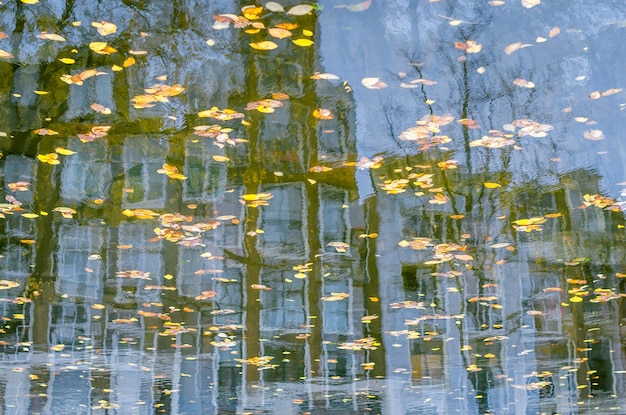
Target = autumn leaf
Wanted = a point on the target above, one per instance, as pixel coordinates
(373, 83)
(50, 158)
(303, 42)
(100, 108)
(328, 76)
(515, 46)
(523, 83)
(264, 45)
(274, 7)
(5, 55)
(102, 48)
(105, 28)
(358, 7)
(51, 36)
(323, 114)
(300, 10)
(491, 185)
(64, 151)
(45, 131)
(530, 3)
(594, 135)
(279, 33)
(67, 61)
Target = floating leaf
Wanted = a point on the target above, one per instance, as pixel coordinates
(328, 76)
(67, 61)
(64, 151)
(530, 3)
(45, 131)
(491, 185)
(5, 55)
(373, 83)
(264, 45)
(523, 83)
(594, 135)
(358, 7)
(515, 46)
(279, 33)
(300, 10)
(323, 114)
(51, 36)
(303, 42)
(274, 7)
(30, 1)
(102, 48)
(50, 158)
(105, 28)
(220, 159)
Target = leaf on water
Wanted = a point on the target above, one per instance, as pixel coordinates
(50, 158)
(260, 287)
(30, 1)
(303, 42)
(220, 114)
(515, 46)
(102, 48)
(30, 215)
(67, 61)
(554, 31)
(66, 212)
(500, 245)
(529, 4)
(491, 185)
(105, 28)
(373, 83)
(171, 172)
(220, 159)
(594, 135)
(323, 114)
(274, 7)
(64, 151)
(100, 108)
(264, 45)
(51, 36)
(45, 131)
(128, 62)
(5, 55)
(279, 33)
(523, 83)
(319, 169)
(358, 7)
(470, 46)
(464, 257)
(328, 76)
(252, 12)
(300, 10)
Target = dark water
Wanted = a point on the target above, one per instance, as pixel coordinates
(397, 207)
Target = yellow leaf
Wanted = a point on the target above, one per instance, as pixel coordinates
(265, 109)
(491, 185)
(105, 28)
(51, 158)
(303, 42)
(67, 61)
(41, 92)
(30, 215)
(116, 68)
(265, 45)
(30, 1)
(576, 299)
(307, 32)
(64, 151)
(101, 48)
(220, 158)
(128, 62)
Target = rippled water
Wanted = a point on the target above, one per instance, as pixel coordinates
(395, 207)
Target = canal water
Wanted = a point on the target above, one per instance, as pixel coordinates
(393, 207)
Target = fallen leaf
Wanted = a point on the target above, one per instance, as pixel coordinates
(274, 7)
(264, 45)
(373, 83)
(358, 7)
(515, 46)
(105, 28)
(594, 135)
(303, 42)
(530, 3)
(491, 185)
(279, 33)
(323, 114)
(51, 36)
(5, 55)
(300, 10)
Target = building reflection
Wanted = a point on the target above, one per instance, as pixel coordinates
(105, 317)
